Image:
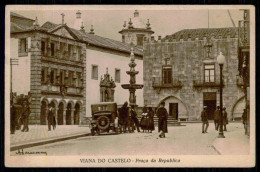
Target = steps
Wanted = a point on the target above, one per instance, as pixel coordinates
(171, 121)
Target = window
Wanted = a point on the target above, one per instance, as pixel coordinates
(70, 51)
(44, 75)
(78, 54)
(140, 40)
(53, 76)
(117, 75)
(70, 79)
(43, 48)
(23, 45)
(123, 38)
(94, 72)
(209, 73)
(167, 74)
(62, 77)
(52, 49)
(78, 83)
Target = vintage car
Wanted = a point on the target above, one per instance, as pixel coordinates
(104, 118)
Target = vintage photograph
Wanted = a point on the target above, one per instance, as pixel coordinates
(130, 86)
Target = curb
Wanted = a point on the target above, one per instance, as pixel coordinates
(32, 144)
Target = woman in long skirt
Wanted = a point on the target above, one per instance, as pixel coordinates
(151, 119)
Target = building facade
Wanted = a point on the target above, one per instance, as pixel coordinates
(137, 31)
(182, 70)
(68, 68)
(244, 61)
(51, 68)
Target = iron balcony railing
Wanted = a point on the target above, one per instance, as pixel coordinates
(201, 82)
(174, 83)
(244, 33)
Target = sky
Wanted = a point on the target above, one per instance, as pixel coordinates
(108, 23)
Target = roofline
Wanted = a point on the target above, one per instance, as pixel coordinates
(136, 30)
(20, 17)
(82, 41)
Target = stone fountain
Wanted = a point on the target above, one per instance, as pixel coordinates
(132, 86)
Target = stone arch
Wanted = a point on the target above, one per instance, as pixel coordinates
(55, 102)
(182, 109)
(237, 109)
(68, 112)
(60, 112)
(44, 110)
(77, 112)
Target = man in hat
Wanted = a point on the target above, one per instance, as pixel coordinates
(204, 119)
(133, 115)
(217, 117)
(124, 116)
(50, 116)
(162, 122)
(225, 120)
(25, 116)
(244, 118)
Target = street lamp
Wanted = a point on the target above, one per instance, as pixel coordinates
(221, 61)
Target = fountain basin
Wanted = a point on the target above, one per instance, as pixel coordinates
(133, 86)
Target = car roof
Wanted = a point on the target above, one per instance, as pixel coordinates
(103, 103)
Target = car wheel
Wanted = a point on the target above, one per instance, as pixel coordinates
(103, 122)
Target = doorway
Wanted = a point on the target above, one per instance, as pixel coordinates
(60, 114)
(209, 100)
(68, 114)
(173, 110)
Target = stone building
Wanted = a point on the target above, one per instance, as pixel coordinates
(137, 30)
(51, 69)
(69, 68)
(182, 70)
(244, 61)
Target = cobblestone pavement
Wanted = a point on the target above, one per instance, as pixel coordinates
(185, 140)
(41, 133)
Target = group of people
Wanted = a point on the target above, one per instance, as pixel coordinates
(19, 117)
(217, 119)
(128, 119)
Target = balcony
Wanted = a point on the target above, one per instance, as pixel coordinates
(199, 83)
(158, 84)
(62, 90)
(63, 59)
(244, 33)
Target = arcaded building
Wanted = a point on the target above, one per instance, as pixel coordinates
(181, 69)
(70, 67)
(51, 68)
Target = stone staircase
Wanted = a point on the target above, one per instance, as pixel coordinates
(171, 121)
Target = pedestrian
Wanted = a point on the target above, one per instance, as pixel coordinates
(54, 122)
(244, 118)
(151, 119)
(217, 117)
(204, 119)
(50, 117)
(124, 116)
(133, 115)
(225, 119)
(162, 122)
(25, 112)
(144, 120)
(12, 118)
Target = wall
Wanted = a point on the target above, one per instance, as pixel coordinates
(106, 59)
(21, 72)
(187, 60)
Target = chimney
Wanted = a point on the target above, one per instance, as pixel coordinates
(78, 21)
